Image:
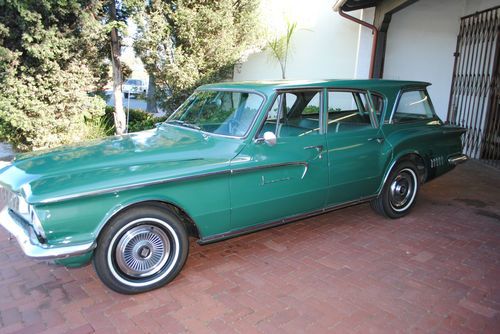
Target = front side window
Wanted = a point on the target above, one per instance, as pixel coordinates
(413, 106)
(348, 111)
(219, 112)
(299, 114)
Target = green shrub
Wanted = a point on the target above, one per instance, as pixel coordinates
(39, 112)
(48, 65)
(138, 119)
(97, 128)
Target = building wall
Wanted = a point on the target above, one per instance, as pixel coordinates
(325, 46)
(421, 41)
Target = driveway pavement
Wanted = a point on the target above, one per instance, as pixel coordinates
(349, 271)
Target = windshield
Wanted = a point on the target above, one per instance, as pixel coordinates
(220, 112)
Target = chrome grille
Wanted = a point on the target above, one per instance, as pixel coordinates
(10, 199)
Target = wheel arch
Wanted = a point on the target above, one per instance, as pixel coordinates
(413, 156)
(185, 218)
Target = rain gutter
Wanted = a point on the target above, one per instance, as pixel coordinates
(338, 8)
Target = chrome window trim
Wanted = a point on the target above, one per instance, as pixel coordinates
(278, 92)
(263, 121)
(250, 127)
(171, 180)
(384, 105)
(410, 89)
(372, 115)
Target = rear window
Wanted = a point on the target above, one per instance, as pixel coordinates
(413, 106)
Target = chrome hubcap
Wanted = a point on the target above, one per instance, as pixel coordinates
(402, 190)
(142, 251)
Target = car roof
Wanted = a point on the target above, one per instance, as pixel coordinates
(271, 85)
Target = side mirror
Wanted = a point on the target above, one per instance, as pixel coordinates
(269, 138)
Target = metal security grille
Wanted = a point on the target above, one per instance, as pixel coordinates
(475, 87)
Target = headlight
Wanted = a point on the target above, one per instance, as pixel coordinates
(35, 222)
(19, 205)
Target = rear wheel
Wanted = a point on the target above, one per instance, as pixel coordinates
(141, 250)
(400, 191)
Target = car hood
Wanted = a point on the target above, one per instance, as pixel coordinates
(142, 157)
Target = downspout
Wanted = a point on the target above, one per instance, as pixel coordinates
(338, 8)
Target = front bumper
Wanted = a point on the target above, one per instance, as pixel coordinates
(29, 243)
(457, 159)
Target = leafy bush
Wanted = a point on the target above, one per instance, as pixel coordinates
(311, 110)
(98, 127)
(138, 119)
(42, 112)
(47, 67)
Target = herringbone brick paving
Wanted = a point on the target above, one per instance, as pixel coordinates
(349, 271)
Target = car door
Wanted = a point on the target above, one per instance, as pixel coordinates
(273, 182)
(357, 150)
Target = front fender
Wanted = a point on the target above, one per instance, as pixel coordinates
(205, 200)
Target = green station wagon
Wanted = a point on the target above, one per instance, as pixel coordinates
(232, 159)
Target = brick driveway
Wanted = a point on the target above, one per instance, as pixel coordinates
(438, 270)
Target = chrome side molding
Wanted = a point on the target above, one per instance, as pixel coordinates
(173, 179)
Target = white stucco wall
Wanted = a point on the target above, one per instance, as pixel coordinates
(325, 46)
(421, 41)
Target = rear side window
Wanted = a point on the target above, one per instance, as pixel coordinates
(348, 111)
(413, 106)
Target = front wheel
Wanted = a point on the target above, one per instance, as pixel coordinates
(141, 250)
(399, 192)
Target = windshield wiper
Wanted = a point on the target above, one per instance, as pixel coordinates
(187, 125)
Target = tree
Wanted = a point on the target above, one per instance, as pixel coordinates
(280, 46)
(185, 43)
(116, 22)
(119, 114)
(47, 70)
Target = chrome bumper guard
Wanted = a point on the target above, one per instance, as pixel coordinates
(457, 159)
(31, 246)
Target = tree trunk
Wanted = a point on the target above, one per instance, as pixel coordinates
(151, 106)
(119, 114)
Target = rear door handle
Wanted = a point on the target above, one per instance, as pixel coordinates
(379, 140)
(318, 148)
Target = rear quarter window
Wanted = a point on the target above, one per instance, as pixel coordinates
(413, 106)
